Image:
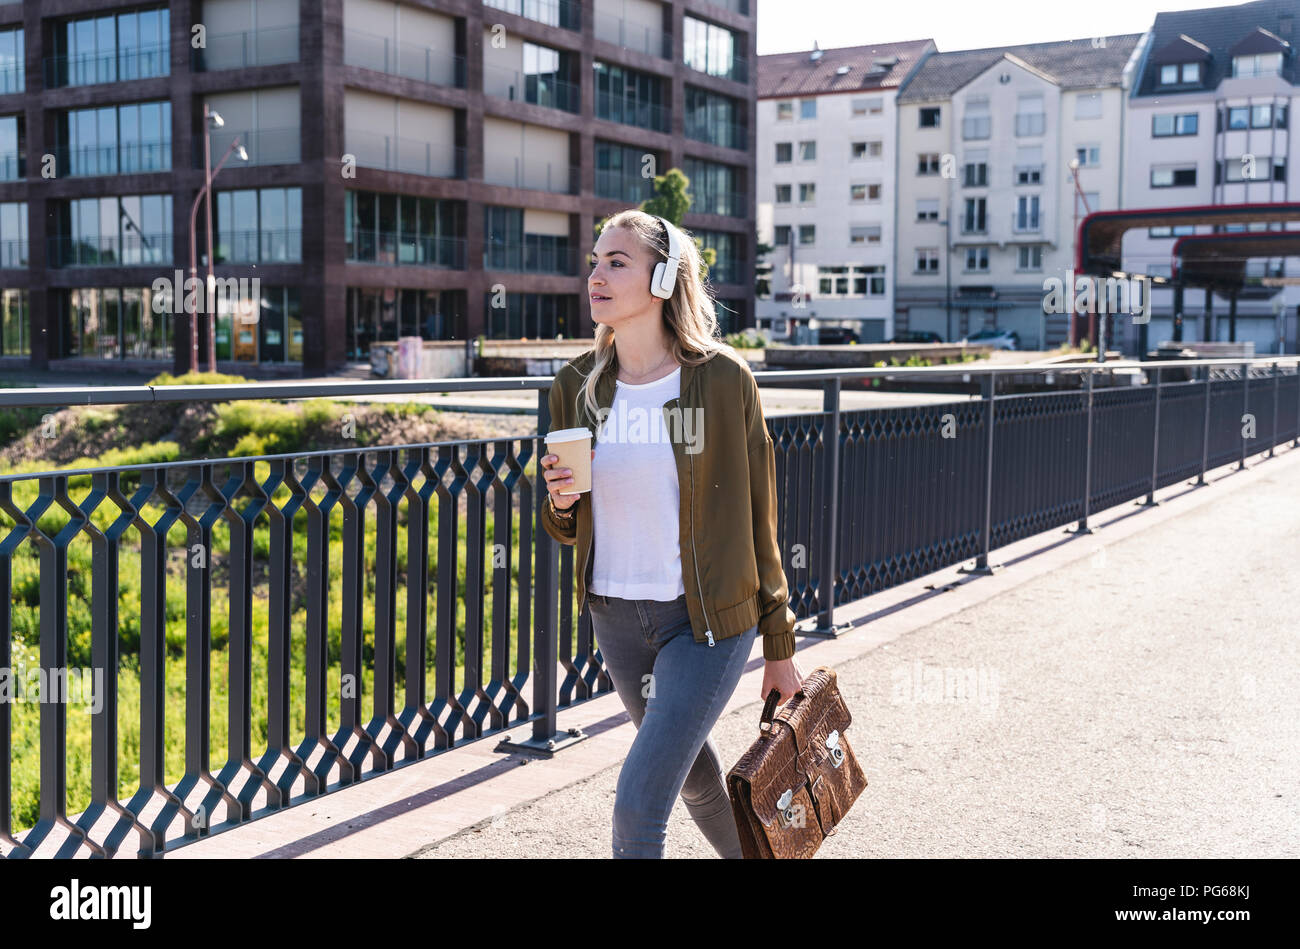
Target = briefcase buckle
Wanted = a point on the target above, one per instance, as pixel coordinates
(833, 745)
(785, 813)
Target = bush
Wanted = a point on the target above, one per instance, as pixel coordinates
(197, 379)
(746, 339)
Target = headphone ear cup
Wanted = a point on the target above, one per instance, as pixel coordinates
(656, 281)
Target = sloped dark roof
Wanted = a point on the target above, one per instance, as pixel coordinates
(1074, 64)
(1222, 29)
(795, 74)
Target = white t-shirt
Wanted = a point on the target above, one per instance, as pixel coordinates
(635, 496)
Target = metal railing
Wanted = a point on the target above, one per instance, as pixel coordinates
(272, 245)
(123, 65)
(726, 134)
(646, 115)
(976, 127)
(623, 187)
(241, 50)
(409, 60)
(13, 253)
(269, 146)
(402, 248)
(1030, 123)
(120, 159)
(562, 13)
(1027, 222)
(411, 156)
(130, 250)
(634, 36)
(371, 606)
(520, 172)
(529, 257)
(544, 89)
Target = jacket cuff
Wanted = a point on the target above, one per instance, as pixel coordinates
(565, 531)
(779, 646)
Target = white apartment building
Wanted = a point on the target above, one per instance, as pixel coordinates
(986, 196)
(825, 187)
(1211, 121)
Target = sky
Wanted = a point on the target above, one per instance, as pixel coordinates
(786, 26)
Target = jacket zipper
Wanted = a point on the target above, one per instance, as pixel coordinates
(694, 556)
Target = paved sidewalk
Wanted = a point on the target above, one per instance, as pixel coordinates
(1137, 694)
(1142, 701)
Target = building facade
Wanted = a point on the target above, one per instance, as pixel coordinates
(826, 187)
(986, 195)
(413, 169)
(1211, 121)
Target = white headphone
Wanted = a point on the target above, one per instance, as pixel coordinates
(665, 275)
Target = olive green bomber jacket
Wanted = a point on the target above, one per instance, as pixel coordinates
(726, 471)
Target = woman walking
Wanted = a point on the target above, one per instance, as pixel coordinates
(676, 541)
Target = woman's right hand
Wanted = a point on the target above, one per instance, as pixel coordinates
(558, 479)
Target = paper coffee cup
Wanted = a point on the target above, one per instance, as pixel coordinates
(573, 447)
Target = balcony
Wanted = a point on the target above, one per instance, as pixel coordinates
(544, 89)
(278, 146)
(13, 167)
(517, 172)
(402, 248)
(633, 36)
(611, 108)
(13, 254)
(735, 67)
(1032, 123)
(528, 256)
(408, 155)
(729, 203)
(272, 246)
(133, 250)
(735, 6)
(566, 14)
(13, 78)
(714, 132)
(618, 186)
(124, 65)
(976, 127)
(1027, 222)
(137, 158)
(408, 60)
(975, 225)
(242, 50)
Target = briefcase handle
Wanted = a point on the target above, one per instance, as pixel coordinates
(769, 708)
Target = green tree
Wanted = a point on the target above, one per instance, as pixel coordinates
(671, 200)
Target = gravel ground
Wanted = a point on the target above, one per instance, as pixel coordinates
(1143, 702)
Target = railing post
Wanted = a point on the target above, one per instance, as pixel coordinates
(1245, 409)
(828, 548)
(1277, 383)
(1205, 434)
(1295, 443)
(545, 738)
(989, 390)
(1155, 448)
(1082, 527)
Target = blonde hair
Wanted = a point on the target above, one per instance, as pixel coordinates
(689, 313)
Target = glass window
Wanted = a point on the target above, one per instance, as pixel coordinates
(808, 108)
(1168, 75)
(12, 59)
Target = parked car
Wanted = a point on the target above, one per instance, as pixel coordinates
(835, 335)
(998, 339)
(916, 336)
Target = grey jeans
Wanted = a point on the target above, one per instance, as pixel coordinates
(674, 689)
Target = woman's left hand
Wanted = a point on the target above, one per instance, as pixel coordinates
(783, 675)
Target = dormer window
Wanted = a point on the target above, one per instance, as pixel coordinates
(1177, 73)
(1259, 64)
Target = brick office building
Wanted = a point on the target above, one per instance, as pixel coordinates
(411, 170)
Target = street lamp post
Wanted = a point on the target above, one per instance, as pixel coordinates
(947, 276)
(1079, 197)
(210, 118)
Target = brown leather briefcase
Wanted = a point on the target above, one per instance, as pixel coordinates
(794, 785)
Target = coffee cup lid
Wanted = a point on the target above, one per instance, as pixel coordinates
(567, 435)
